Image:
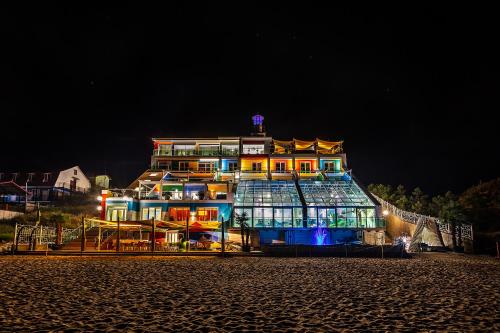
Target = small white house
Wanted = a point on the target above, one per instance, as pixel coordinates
(73, 179)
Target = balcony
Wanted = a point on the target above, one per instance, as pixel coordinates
(197, 152)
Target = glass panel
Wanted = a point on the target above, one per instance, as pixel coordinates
(370, 218)
(278, 218)
(361, 214)
(322, 220)
(336, 192)
(158, 214)
(151, 213)
(351, 217)
(311, 217)
(263, 217)
(341, 217)
(330, 215)
(145, 214)
(287, 218)
(297, 218)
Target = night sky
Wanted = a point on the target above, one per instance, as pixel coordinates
(412, 91)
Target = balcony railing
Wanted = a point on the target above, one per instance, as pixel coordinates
(196, 152)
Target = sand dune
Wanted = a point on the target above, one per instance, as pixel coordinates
(428, 293)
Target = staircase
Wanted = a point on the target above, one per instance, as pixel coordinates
(75, 245)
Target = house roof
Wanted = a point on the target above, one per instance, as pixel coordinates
(11, 188)
(146, 175)
(33, 178)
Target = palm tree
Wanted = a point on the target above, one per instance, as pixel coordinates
(244, 229)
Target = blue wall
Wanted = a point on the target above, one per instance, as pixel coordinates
(225, 165)
(307, 236)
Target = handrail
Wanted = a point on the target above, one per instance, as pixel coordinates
(464, 228)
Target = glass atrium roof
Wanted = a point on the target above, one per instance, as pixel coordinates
(269, 193)
(334, 193)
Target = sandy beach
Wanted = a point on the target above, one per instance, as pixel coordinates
(427, 293)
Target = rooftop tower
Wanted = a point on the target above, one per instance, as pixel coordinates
(258, 125)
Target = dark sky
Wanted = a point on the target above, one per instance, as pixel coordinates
(412, 90)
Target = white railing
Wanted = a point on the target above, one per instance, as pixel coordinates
(411, 217)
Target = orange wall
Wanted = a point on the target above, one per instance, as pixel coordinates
(314, 163)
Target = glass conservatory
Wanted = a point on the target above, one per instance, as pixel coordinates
(337, 204)
(268, 204)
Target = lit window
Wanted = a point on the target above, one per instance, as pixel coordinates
(256, 166)
(206, 166)
(232, 166)
(280, 166)
(253, 149)
(178, 213)
(305, 166)
(153, 174)
(207, 214)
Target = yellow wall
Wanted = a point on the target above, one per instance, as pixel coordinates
(246, 163)
(289, 164)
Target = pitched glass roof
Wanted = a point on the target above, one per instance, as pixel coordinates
(334, 193)
(266, 193)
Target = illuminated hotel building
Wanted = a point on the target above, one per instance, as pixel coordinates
(288, 189)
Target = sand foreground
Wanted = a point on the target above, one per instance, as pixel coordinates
(428, 293)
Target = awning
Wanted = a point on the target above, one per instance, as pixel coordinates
(325, 146)
(303, 145)
(217, 187)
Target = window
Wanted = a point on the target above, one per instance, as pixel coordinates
(209, 150)
(205, 166)
(184, 150)
(329, 166)
(178, 213)
(311, 217)
(149, 213)
(46, 177)
(230, 150)
(282, 217)
(232, 166)
(297, 218)
(164, 150)
(115, 213)
(253, 149)
(30, 176)
(305, 167)
(183, 166)
(75, 172)
(263, 217)
(257, 166)
(280, 167)
(207, 214)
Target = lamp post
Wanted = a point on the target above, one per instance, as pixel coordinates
(26, 198)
